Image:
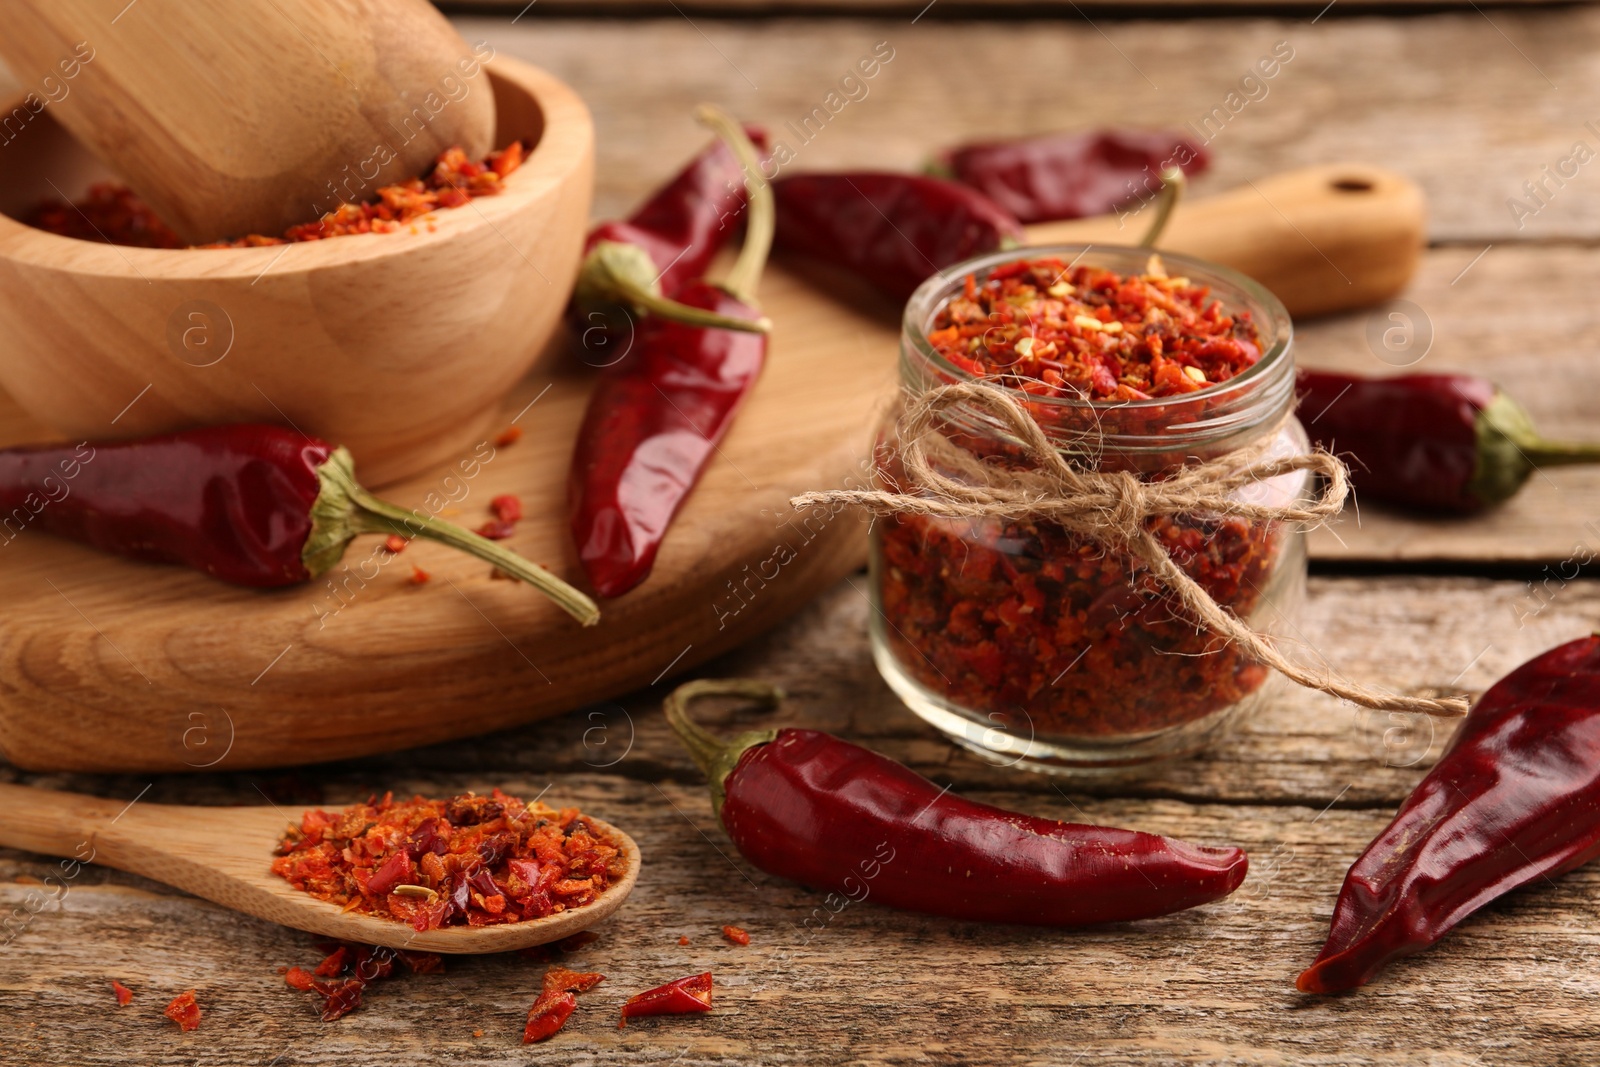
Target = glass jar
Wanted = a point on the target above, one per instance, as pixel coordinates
(1036, 647)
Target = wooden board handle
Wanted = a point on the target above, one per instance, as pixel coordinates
(1328, 238)
(53, 823)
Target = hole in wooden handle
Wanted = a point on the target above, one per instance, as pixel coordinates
(1352, 185)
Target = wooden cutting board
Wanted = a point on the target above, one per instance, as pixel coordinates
(107, 665)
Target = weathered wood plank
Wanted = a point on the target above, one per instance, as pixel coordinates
(1303, 788)
(1471, 103)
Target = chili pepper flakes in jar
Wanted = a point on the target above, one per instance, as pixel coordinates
(1039, 647)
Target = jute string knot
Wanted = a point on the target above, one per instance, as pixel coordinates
(943, 480)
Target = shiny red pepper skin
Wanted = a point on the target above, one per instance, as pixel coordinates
(654, 421)
(891, 230)
(233, 501)
(689, 220)
(1410, 440)
(834, 816)
(682, 996)
(1071, 175)
(1515, 799)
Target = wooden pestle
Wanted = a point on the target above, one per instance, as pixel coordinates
(237, 118)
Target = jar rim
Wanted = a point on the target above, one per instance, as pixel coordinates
(1274, 317)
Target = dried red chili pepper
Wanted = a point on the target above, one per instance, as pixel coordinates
(299, 978)
(1070, 175)
(559, 979)
(654, 421)
(258, 506)
(635, 267)
(1432, 442)
(123, 993)
(184, 1011)
(736, 935)
(681, 996)
(892, 231)
(548, 1015)
(1514, 799)
(831, 815)
(507, 507)
(470, 860)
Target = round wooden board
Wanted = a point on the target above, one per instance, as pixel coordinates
(107, 665)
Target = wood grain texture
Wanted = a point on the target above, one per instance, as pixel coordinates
(1299, 788)
(242, 122)
(401, 346)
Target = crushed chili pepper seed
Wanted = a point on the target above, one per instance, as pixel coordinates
(1039, 629)
(123, 993)
(115, 213)
(395, 543)
(489, 859)
(1055, 330)
(184, 1010)
(507, 507)
(508, 436)
(418, 576)
(736, 935)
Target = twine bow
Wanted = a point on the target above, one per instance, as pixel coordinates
(1111, 508)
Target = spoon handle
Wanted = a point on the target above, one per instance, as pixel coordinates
(54, 823)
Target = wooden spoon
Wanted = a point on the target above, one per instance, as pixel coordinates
(1335, 237)
(225, 855)
(243, 118)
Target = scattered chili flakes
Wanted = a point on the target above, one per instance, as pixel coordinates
(508, 436)
(683, 939)
(123, 993)
(547, 1016)
(1055, 330)
(115, 213)
(299, 978)
(560, 979)
(418, 576)
(679, 997)
(497, 529)
(184, 1011)
(477, 1033)
(507, 507)
(345, 973)
(736, 935)
(485, 859)
(395, 543)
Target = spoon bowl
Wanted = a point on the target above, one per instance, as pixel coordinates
(225, 855)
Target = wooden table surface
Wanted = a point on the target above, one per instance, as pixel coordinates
(1471, 104)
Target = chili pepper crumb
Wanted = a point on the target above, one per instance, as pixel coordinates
(507, 507)
(497, 529)
(114, 213)
(683, 939)
(418, 576)
(123, 993)
(469, 860)
(347, 970)
(508, 436)
(736, 935)
(394, 543)
(184, 1010)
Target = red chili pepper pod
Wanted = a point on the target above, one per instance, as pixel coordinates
(682, 996)
(1071, 175)
(891, 230)
(1515, 799)
(655, 419)
(634, 267)
(258, 506)
(1431, 442)
(831, 815)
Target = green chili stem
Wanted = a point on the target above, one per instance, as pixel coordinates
(627, 291)
(345, 509)
(759, 229)
(1545, 453)
(703, 745)
(1172, 183)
